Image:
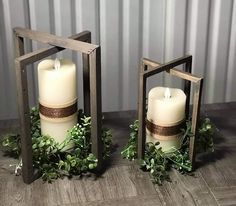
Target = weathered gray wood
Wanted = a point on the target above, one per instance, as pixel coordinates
(187, 86)
(214, 182)
(141, 112)
(151, 63)
(86, 84)
(174, 71)
(195, 120)
(39, 54)
(96, 104)
(185, 190)
(150, 200)
(166, 66)
(219, 169)
(184, 75)
(23, 106)
(56, 40)
(225, 195)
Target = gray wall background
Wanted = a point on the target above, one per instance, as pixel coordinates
(128, 30)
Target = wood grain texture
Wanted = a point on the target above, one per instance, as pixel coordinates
(167, 66)
(96, 104)
(195, 120)
(123, 183)
(23, 107)
(141, 112)
(86, 85)
(187, 87)
(225, 195)
(55, 40)
(39, 54)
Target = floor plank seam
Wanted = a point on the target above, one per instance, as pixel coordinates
(209, 188)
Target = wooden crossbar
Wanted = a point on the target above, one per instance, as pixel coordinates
(55, 40)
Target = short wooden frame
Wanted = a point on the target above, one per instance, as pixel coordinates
(91, 81)
(149, 68)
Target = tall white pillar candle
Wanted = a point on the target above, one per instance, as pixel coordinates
(166, 109)
(57, 91)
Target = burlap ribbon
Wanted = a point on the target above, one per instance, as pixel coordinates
(58, 112)
(164, 131)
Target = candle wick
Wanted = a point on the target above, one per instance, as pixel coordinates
(57, 63)
(167, 93)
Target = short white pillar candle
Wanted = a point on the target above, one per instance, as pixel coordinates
(166, 108)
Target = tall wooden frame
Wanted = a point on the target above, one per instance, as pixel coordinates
(149, 68)
(91, 81)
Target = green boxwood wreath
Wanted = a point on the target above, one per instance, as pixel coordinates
(159, 163)
(50, 158)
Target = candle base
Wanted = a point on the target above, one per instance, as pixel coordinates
(170, 144)
(58, 128)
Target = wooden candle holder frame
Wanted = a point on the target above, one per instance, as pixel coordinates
(91, 55)
(149, 68)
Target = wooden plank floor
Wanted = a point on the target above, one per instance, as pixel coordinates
(123, 183)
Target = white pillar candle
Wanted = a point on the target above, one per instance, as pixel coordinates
(57, 89)
(166, 108)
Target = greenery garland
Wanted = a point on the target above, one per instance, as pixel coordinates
(159, 163)
(54, 160)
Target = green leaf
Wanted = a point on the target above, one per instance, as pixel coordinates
(91, 166)
(68, 157)
(41, 144)
(50, 158)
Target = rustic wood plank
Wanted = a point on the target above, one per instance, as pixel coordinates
(86, 85)
(195, 121)
(214, 182)
(173, 71)
(63, 192)
(16, 192)
(166, 66)
(141, 112)
(117, 184)
(55, 40)
(96, 104)
(152, 64)
(141, 181)
(219, 168)
(150, 200)
(39, 54)
(187, 87)
(23, 107)
(225, 195)
(185, 190)
(184, 75)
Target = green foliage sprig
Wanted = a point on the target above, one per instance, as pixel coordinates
(53, 160)
(156, 163)
(11, 145)
(130, 150)
(159, 163)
